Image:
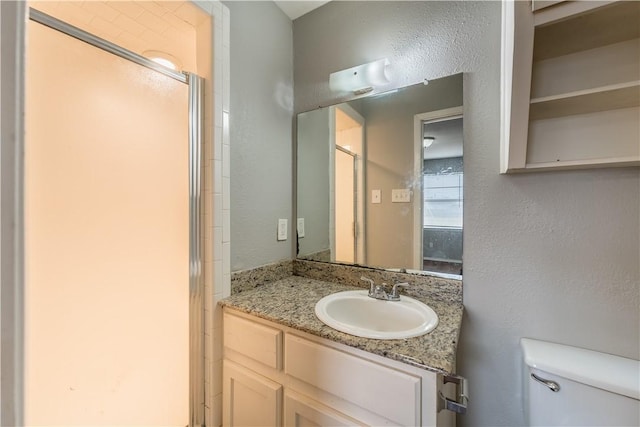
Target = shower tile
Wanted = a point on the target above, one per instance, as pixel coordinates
(169, 5)
(219, 141)
(74, 14)
(226, 73)
(217, 65)
(217, 180)
(226, 161)
(217, 113)
(226, 285)
(217, 203)
(153, 22)
(101, 9)
(129, 8)
(226, 255)
(103, 28)
(209, 273)
(226, 226)
(190, 13)
(217, 86)
(217, 244)
(216, 7)
(128, 24)
(154, 38)
(154, 8)
(177, 23)
(131, 42)
(226, 35)
(218, 276)
(226, 197)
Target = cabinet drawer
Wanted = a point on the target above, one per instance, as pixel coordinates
(258, 342)
(391, 394)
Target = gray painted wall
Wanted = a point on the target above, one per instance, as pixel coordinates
(260, 130)
(552, 255)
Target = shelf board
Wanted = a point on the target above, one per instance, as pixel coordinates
(596, 28)
(583, 164)
(610, 97)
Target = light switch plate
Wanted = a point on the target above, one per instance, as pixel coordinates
(375, 196)
(300, 227)
(282, 229)
(401, 195)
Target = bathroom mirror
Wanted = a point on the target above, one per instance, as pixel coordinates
(380, 180)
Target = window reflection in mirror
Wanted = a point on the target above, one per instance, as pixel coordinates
(442, 195)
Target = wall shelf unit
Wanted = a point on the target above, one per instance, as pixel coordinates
(611, 97)
(571, 86)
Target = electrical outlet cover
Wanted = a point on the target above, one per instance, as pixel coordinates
(282, 229)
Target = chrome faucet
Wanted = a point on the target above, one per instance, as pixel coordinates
(379, 292)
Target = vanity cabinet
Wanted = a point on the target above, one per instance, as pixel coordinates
(275, 375)
(570, 85)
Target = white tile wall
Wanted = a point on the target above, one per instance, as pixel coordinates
(220, 226)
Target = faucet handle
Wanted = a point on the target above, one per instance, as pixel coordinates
(372, 285)
(394, 292)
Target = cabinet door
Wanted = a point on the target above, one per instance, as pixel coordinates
(301, 411)
(393, 395)
(249, 399)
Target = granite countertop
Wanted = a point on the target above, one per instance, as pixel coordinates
(291, 302)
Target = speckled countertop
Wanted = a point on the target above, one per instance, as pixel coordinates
(291, 302)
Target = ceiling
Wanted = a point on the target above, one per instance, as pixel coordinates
(139, 26)
(295, 9)
(448, 139)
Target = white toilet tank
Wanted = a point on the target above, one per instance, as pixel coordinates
(592, 388)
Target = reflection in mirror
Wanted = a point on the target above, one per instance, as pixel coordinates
(442, 195)
(380, 179)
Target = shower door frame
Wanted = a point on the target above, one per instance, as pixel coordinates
(195, 141)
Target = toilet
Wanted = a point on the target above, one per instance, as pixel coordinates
(570, 386)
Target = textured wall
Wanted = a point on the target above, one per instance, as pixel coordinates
(260, 131)
(553, 255)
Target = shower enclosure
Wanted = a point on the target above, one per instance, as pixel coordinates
(113, 322)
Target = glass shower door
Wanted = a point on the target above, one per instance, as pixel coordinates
(107, 239)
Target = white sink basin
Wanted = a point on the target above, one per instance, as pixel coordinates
(355, 313)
